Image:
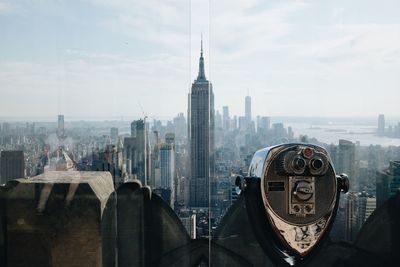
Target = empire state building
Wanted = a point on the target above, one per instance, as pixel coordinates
(201, 137)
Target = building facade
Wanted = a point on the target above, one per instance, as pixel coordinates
(12, 165)
(201, 137)
(114, 134)
(167, 165)
(137, 152)
(247, 109)
(225, 118)
(347, 161)
(60, 126)
(387, 182)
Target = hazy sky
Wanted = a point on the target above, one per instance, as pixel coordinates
(102, 58)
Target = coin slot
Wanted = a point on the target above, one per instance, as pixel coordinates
(276, 186)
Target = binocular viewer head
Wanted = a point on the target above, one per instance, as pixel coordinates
(298, 192)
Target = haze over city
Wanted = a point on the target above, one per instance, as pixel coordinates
(199, 133)
(125, 58)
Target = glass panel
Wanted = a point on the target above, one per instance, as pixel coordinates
(199, 133)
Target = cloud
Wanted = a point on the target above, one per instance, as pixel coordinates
(5, 7)
(93, 84)
(277, 49)
(251, 29)
(354, 46)
(97, 56)
(163, 23)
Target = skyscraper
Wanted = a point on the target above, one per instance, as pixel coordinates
(247, 107)
(265, 124)
(243, 123)
(114, 134)
(162, 179)
(218, 120)
(12, 165)
(167, 171)
(167, 165)
(6, 129)
(225, 118)
(170, 138)
(387, 182)
(381, 125)
(347, 160)
(180, 126)
(110, 160)
(137, 152)
(201, 137)
(234, 123)
(351, 212)
(366, 205)
(60, 127)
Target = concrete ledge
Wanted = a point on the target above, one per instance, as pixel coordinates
(55, 219)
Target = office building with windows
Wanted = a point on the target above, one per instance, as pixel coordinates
(201, 137)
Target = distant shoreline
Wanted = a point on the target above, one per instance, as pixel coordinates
(313, 121)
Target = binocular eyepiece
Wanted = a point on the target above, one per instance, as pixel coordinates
(299, 195)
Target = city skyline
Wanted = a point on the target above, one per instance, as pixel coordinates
(199, 133)
(116, 49)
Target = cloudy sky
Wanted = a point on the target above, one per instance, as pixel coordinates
(102, 58)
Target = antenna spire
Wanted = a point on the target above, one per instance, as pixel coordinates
(201, 76)
(201, 50)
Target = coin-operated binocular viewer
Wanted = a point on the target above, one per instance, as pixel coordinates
(292, 194)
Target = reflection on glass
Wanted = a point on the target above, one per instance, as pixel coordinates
(128, 128)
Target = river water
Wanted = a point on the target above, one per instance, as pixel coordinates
(331, 133)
